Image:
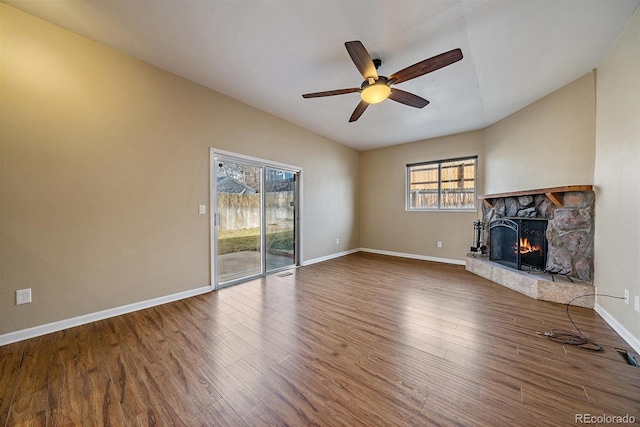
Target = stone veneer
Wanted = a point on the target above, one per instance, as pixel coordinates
(570, 229)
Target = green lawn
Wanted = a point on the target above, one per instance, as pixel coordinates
(249, 240)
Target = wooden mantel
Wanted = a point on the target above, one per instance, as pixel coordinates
(555, 194)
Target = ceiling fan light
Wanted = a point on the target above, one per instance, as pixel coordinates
(375, 93)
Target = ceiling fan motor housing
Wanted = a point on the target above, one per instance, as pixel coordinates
(381, 80)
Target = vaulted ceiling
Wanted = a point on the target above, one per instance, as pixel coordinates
(268, 53)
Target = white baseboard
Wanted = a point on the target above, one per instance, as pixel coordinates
(328, 257)
(100, 315)
(632, 340)
(414, 256)
(381, 252)
(24, 334)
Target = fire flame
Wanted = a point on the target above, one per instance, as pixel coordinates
(526, 247)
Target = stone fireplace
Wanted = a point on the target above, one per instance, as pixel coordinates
(557, 220)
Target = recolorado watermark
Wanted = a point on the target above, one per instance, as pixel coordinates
(604, 419)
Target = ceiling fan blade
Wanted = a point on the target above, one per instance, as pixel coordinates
(407, 98)
(427, 66)
(361, 59)
(331, 92)
(358, 111)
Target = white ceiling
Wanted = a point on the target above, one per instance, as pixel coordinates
(268, 53)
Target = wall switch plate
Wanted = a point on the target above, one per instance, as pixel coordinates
(636, 303)
(202, 209)
(23, 296)
(626, 296)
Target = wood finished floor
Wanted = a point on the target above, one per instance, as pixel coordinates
(359, 340)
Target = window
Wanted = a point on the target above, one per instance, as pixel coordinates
(442, 185)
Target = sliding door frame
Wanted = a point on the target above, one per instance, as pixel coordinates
(214, 155)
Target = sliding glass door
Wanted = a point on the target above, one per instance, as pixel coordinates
(255, 217)
(238, 208)
(280, 213)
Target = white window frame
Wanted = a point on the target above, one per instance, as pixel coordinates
(440, 208)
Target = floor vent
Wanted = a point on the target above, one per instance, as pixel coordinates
(627, 357)
(285, 274)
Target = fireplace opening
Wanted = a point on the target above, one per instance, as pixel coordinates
(519, 242)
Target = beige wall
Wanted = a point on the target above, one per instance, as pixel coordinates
(104, 160)
(387, 226)
(560, 128)
(617, 177)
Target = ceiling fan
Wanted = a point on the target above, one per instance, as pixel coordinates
(377, 88)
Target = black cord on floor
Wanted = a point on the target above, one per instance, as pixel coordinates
(571, 338)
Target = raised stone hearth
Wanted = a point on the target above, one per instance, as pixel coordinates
(534, 284)
(569, 212)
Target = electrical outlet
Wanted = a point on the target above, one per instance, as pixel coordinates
(202, 209)
(636, 303)
(626, 296)
(439, 244)
(337, 241)
(23, 296)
